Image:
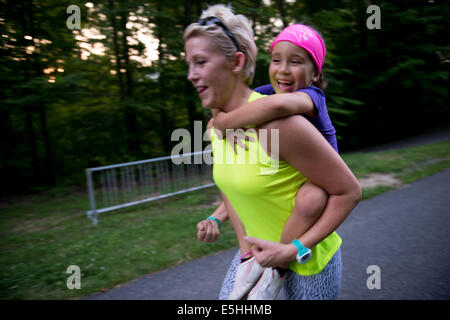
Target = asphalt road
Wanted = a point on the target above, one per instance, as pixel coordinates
(402, 235)
(405, 233)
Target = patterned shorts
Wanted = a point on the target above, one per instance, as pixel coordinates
(325, 285)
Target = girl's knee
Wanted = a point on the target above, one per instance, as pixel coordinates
(312, 197)
(312, 192)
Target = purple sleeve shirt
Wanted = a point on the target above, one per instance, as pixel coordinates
(322, 120)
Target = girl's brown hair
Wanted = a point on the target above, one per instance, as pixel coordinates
(322, 83)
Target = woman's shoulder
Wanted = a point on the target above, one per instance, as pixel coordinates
(294, 122)
(291, 133)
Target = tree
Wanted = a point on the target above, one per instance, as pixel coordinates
(70, 100)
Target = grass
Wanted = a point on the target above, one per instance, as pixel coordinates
(44, 234)
(407, 165)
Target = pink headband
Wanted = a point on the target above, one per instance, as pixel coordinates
(306, 38)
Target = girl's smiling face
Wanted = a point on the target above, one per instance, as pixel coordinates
(291, 68)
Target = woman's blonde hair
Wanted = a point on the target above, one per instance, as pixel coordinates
(241, 29)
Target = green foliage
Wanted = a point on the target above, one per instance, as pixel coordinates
(44, 235)
(121, 105)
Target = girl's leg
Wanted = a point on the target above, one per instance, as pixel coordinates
(310, 202)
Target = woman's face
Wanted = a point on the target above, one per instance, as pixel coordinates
(209, 71)
(291, 68)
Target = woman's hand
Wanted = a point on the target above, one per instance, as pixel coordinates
(208, 231)
(272, 254)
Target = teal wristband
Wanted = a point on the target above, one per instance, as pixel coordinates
(300, 247)
(304, 254)
(215, 220)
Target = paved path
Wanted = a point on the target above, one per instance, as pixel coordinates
(404, 232)
(421, 139)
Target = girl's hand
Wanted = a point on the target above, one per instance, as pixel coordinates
(208, 231)
(233, 136)
(237, 137)
(219, 122)
(272, 254)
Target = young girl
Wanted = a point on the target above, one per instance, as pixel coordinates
(295, 72)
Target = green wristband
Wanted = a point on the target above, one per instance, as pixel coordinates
(215, 220)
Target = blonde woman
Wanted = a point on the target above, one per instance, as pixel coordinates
(221, 55)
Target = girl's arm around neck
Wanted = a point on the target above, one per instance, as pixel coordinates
(266, 109)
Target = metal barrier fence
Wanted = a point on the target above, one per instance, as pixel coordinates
(128, 184)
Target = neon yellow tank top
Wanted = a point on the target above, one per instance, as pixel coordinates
(262, 191)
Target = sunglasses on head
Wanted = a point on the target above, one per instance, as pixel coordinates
(214, 20)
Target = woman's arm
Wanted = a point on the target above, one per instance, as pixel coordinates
(305, 148)
(208, 230)
(265, 109)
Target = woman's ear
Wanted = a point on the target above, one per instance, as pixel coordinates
(238, 62)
